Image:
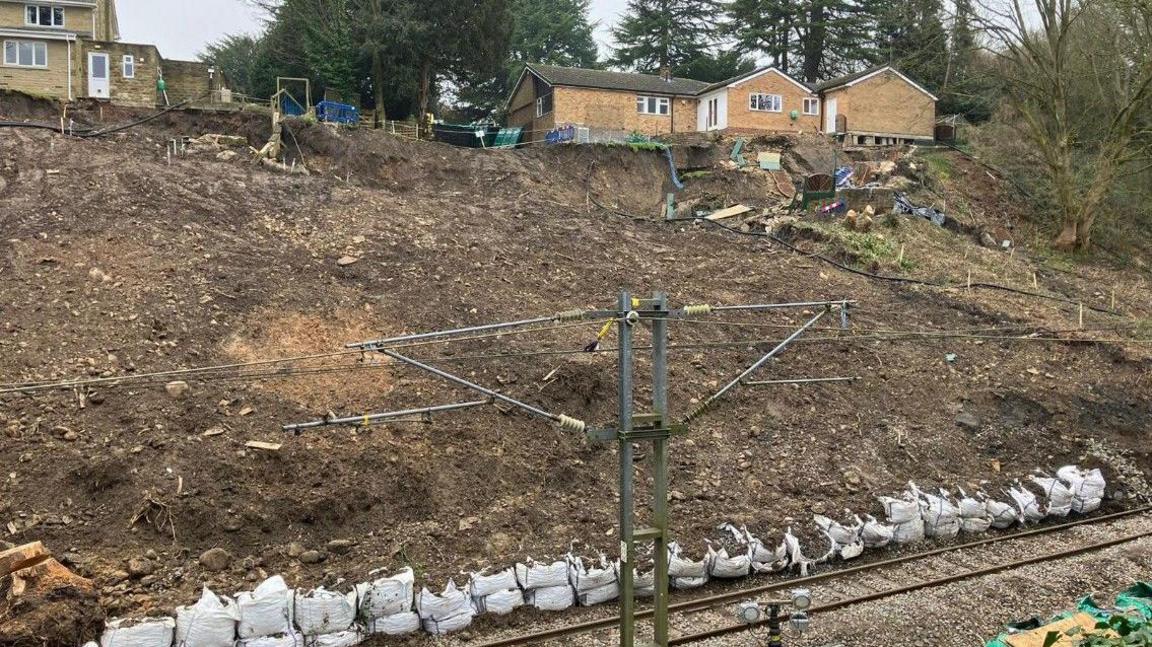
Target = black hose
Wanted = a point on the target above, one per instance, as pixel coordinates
(28, 124)
(138, 122)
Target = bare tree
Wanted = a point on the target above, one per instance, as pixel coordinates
(1078, 74)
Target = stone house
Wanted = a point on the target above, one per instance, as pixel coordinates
(876, 106)
(71, 49)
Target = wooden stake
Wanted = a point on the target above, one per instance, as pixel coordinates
(1035, 282)
(1081, 316)
(900, 260)
(1113, 298)
(969, 280)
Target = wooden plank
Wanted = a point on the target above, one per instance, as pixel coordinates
(12, 560)
(729, 212)
(256, 444)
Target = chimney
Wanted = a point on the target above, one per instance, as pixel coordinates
(666, 73)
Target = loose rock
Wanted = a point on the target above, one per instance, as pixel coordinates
(216, 559)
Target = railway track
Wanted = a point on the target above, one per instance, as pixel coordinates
(844, 587)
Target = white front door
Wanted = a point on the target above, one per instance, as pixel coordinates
(98, 84)
(830, 116)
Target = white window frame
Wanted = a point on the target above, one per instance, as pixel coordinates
(540, 111)
(54, 13)
(128, 66)
(655, 106)
(775, 102)
(813, 101)
(37, 47)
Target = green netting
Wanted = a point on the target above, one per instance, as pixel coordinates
(1137, 598)
(507, 137)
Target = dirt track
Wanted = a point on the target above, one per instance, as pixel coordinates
(114, 262)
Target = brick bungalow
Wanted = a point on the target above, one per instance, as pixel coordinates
(876, 106)
(71, 49)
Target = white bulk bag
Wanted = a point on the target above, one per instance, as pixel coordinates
(149, 632)
(386, 596)
(340, 639)
(847, 540)
(876, 534)
(445, 607)
(908, 533)
(541, 576)
(396, 624)
(900, 511)
(1002, 514)
(266, 611)
(1058, 495)
(1026, 503)
(321, 612)
(974, 517)
(606, 593)
(643, 584)
(585, 579)
(447, 625)
(796, 557)
(680, 567)
(1087, 487)
(283, 640)
(482, 585)
(723, 566)
(685, 583)
(552, 598)
(941, 517)
(211, 622)
(499, 603)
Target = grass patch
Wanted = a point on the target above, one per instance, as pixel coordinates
(939, 165)
(865, 249)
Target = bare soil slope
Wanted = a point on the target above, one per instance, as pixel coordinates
(115, 263)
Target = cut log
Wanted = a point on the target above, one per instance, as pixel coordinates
(17, 558)
(729, 212)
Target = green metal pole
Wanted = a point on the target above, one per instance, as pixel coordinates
(660, 469)
(627, 545)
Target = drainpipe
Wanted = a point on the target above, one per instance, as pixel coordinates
(70, 97)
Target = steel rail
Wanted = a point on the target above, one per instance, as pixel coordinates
(367, 419)
(744, 594)
(918, 586)
(809, 380)
(446, 333)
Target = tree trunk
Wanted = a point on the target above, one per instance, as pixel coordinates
(425, 89)
(378, 73)
(814, 41)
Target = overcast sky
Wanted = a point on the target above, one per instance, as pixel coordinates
(181, 28)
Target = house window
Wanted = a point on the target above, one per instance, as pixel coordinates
(544, 105)
(37, 15)
(129, 67)
(765, 102)
(653, 105)
(23, 53)
(811, 106)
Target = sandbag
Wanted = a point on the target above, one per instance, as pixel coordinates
(941, 517)
(876, 534)
(908, 533)
(1087, 487)
(440, 608)
(397, 624)
(541, 576)
(211, 622)
(499, 603)
(602, 594)
(796, 557)
(1003, 515)
(846, 539)
(1027, 505)
(552, 598)
(266, 611)
(149, 632)
(439, 627)
(585, 579)
(723, 566)
(322, 612)
(482, 585)
(681, 567)
(1059, 496)
(386, 596)
(339, 639)
(974, 517)
(685, 583)
(900, 511)
(283, 640)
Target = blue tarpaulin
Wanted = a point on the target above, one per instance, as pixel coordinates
(337, 113)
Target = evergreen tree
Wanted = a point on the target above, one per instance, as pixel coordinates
(657, 35)
(238, 57)
(913, 38)
(763, 27)
(717, 67)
